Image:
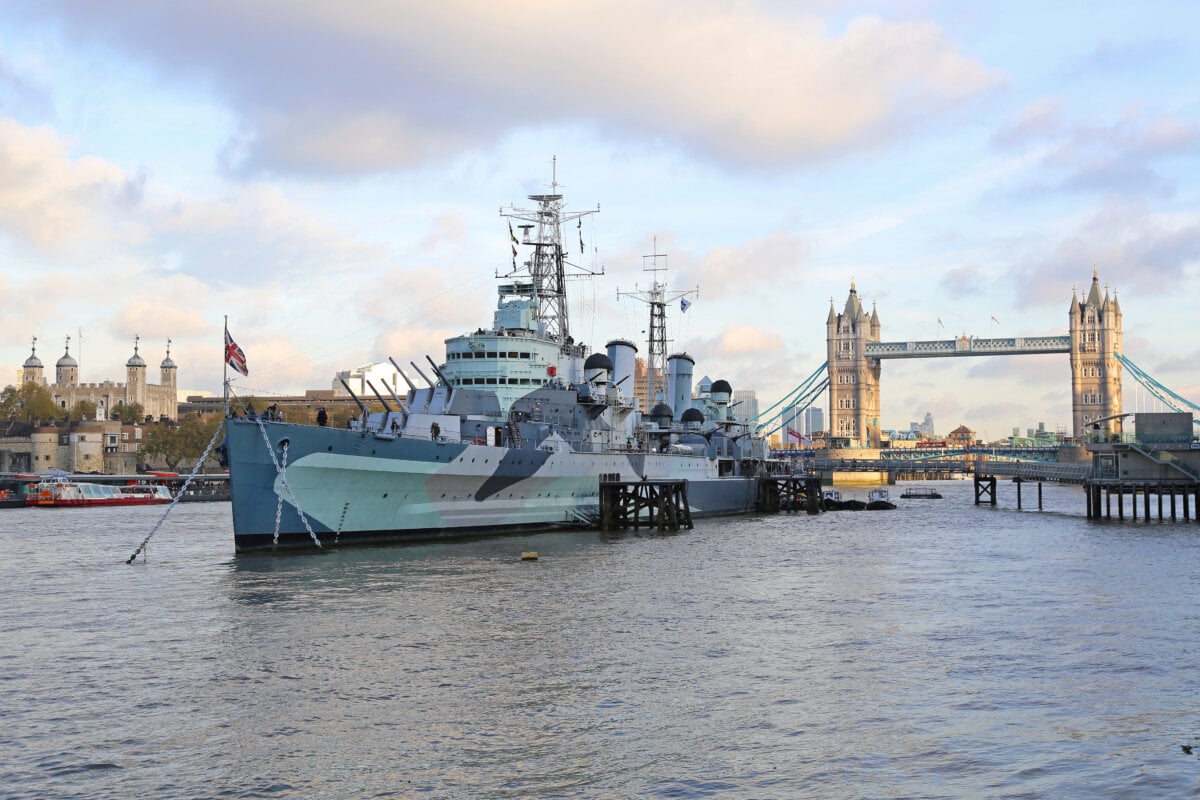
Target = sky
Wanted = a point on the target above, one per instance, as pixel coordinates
(329, 176)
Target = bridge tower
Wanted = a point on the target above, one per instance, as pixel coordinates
(853, 377)
(1095, 346)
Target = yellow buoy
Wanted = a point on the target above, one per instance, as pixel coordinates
(529, 556)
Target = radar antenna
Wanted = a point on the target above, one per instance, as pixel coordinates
(548, 267)
(657, 298)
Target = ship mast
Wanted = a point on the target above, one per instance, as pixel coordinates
(548, 267)
(657, 298)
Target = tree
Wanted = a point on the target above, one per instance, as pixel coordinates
(30, 403)
(162, 442)
(127, 412)
(197, 431)
(179, 445)
(84, 409)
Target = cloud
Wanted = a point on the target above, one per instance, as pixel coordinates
(746, 340)
(1132, 248)
(1116, 158)
(1036, 122)
(168, 310)
(253, 234)
(18, 93)
(968, 280)
(372, 85)
(729, 270)
(53, 201)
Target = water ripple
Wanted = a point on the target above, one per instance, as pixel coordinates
(947, 651)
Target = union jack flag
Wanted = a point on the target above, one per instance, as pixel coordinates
(234, 356)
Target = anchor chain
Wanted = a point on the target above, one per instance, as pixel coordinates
(279, 499)
(182, 489)
(283, 481)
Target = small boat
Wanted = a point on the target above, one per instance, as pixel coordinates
(919, 493)
(832, 500)
(877, 500)
(55, 492)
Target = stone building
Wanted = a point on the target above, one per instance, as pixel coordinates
(158, 401)
(84, 447)
(960, 438)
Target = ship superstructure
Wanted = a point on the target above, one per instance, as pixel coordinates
(529, 343)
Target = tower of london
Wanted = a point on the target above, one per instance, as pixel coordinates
(158, 401)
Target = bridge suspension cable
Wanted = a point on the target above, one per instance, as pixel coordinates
(1169, 398)
(799, 398)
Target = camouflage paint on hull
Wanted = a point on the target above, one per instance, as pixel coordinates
(357, 487)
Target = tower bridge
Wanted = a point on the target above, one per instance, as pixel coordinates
(855, 350)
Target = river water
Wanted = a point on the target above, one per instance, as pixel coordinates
(937, 650)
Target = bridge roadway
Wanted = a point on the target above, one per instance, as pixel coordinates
(1046, 453)
(980, 467)
(970, 346)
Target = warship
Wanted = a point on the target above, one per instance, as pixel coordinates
(513, 431)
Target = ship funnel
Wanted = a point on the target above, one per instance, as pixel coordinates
(679, 382)
(622, 353)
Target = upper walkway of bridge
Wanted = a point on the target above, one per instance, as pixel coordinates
(970, 346)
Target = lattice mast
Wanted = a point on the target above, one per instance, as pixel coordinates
(657, 298)
(548, 267)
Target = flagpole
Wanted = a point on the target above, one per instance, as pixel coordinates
(225, 362)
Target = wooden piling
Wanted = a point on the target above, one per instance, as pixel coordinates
(985, 486)
(659, 504)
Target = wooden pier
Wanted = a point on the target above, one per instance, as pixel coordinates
(789, 494)
(656, 505)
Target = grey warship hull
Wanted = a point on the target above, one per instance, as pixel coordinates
(364, 487)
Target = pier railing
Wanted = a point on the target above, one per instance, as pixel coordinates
(1034, 471)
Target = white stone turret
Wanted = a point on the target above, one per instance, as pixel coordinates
(167, 370)
(135, 377)
(32, 370)
(66, 371)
